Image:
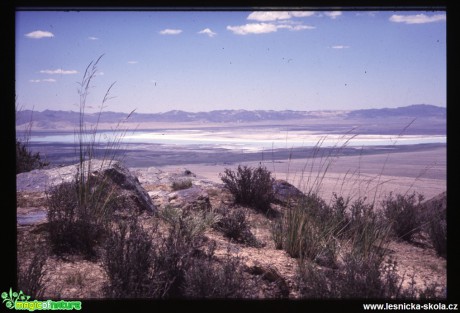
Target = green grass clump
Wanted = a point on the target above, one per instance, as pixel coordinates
(79, 212)
(181, 184)
(307, 230)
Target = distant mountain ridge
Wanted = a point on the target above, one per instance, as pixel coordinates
(416, 110)
(48, 117)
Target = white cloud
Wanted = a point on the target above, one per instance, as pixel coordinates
(58, 71)
(132, 62)
(93, 38)
(263, 28)
(340, 47)
(253, 28)
(171, 31)
(267, 16)
(208, 32)
(333, 14)
(277, 19)
(34, 80)
(39, 34)
(417, 18)
(301, 13)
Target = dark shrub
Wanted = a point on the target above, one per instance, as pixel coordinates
(357, 278)
(127, 259)
(404, 214)
(436, 224)
(27, 161)
(437, 230)
(368, 231)
(234, 225)
(180, 265)
(173, 256)
(31, 277)
(250, 186)
(78, 216)
(218, 279)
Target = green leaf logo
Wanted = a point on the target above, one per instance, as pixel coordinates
(11, 298)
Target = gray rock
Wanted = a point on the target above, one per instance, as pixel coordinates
(130, 185)
(285, 192)
(194, 197)
(151, 175)
(127, 184)
(42, 180)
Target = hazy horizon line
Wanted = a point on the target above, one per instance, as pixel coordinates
(240, 110)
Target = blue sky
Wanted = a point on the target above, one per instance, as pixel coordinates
(202, 61)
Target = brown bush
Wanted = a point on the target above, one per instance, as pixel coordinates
(250, 186)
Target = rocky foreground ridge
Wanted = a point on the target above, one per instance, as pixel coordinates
(150, 189)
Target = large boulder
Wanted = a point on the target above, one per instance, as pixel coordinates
(194, 197)
(285, 192)
(127, 186)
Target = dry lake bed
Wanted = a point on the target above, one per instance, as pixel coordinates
(369, 164)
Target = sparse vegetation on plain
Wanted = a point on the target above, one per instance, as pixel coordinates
(340, 249)
(182, 264)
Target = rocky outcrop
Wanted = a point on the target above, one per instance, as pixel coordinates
(285, 192)
(194, 197)
(130, 187)
(41, 180)
(126, 184)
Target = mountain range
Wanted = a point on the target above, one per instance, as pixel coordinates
(48, 117)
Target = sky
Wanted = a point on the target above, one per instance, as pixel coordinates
(217, 60)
